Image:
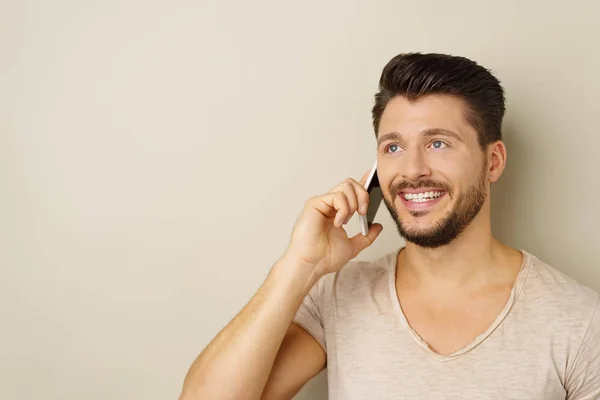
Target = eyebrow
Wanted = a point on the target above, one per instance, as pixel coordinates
(427, 133)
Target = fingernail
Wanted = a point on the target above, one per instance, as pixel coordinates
(363, 209)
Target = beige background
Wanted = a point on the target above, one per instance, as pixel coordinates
(154, 156)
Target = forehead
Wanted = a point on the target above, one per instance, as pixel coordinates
(427, 112)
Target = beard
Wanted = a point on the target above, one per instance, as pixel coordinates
(466, 208)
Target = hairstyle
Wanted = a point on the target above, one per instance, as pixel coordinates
(413, 75)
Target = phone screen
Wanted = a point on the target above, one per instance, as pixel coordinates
(375, 198)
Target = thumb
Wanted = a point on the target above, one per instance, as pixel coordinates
(360, 242)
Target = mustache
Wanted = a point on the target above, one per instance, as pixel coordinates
(402, 185)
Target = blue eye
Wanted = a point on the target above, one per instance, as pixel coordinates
(393, 148)
(438, 144)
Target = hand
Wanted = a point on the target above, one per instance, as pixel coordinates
(319, 240)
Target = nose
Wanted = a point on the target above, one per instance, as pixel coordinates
(414, 165)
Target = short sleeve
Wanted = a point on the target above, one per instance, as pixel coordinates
(584, 381)
(311, 312)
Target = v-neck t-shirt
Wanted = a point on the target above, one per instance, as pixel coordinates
(545, 343)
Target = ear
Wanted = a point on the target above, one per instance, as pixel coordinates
(496, 155)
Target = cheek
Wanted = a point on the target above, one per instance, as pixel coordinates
(385, 182)
(385, 187)
(455, 167)
(386, 172)
(464, 177)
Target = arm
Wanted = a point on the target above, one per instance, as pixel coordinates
(261, 350)
(237, 363)
(300, 358)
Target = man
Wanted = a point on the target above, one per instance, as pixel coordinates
(455, 314)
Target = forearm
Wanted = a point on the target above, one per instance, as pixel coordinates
(237, 363)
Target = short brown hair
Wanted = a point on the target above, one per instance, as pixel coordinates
(413, 75)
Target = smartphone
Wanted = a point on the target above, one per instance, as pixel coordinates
(375, 198)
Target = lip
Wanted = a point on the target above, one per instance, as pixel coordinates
(424, 206)
(422, 190)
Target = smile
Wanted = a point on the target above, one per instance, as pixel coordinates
(421, 200)
(422, 197)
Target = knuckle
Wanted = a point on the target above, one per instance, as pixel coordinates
(313, 200)
(348, 188)
(340, 198)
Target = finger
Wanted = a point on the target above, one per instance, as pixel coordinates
(360, 242)
(332, 205)
(348, 189)
(340, 203)
(362, 196)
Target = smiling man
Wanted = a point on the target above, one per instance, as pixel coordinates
(453, 314)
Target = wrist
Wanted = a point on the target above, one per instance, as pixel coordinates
(295, 274)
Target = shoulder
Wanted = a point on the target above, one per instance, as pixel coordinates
(568, 301)
(359, 278)
(552, 283)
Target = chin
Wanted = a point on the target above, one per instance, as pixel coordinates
(420, 228)
(422, 219)
(429, 229)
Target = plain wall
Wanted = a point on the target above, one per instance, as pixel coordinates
(154, 156)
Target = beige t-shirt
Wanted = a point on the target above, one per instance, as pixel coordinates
(544, 345)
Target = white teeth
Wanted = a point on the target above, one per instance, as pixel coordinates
(422, 197)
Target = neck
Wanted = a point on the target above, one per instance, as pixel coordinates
(472, 258)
